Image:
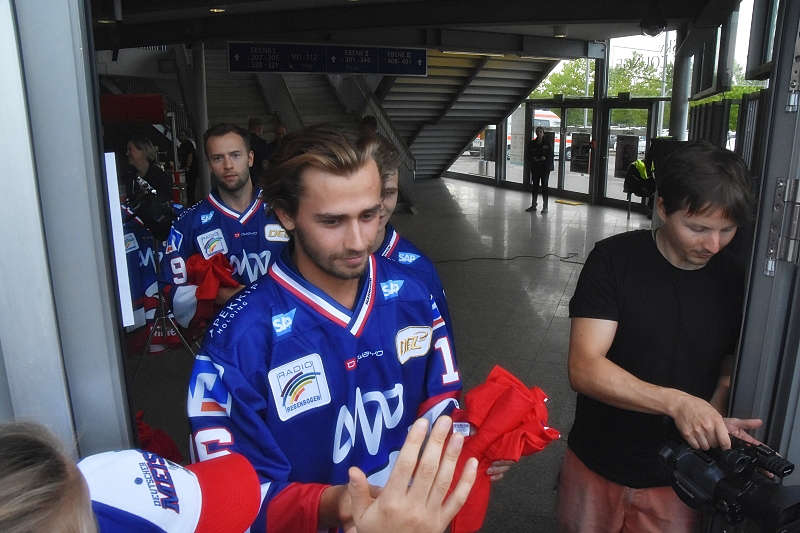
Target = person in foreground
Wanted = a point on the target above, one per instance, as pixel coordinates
(324, 363)
(137, 491)
(655, 322)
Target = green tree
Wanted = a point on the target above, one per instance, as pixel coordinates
(570, 80)
(639, 77)
(735, 94)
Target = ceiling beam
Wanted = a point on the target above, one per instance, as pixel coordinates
(250, 23)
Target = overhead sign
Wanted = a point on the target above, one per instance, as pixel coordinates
(287, 58)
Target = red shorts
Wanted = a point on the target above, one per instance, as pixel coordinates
(589, 503)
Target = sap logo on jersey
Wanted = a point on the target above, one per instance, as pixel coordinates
(299, 386)
(131, 244)
(282, 324)
(413, 341)
(371, 430)
(174, 241)
(391, 288)
(206, 218)
(212, 243)
(407, 257)
(207, 395)
(275, 233)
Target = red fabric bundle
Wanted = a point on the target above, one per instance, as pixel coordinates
(156, 440)
(510, 420)
(209, 275)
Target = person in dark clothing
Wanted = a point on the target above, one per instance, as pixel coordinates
(142, 156)
(187, 155)
(280, 133)
(654, 325)
(540, 162)
(260, 150)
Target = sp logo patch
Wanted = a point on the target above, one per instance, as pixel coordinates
(413, 341)
(391, 288)
(206, 218)
(282, 323)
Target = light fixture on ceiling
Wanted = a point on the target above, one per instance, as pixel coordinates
(105, 21)
(463, 53)
(217, 10)
(653, 21)
(559, 31)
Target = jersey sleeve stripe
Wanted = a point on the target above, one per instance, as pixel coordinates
(392, 244)
(441, 401)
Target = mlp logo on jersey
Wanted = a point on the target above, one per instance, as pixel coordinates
(212, 243)
(131, 244)
(207, 395)
(174, 241)
(282, 324)
(299, 386)
(205, 219)
(391, 288)
(407, 257)
(275, 233)
(413, 341)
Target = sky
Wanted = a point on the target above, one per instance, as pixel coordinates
(653, 47)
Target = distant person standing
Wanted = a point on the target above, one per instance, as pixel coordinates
(280, 133)
(540, 161)
(142, 155)
(259, 147)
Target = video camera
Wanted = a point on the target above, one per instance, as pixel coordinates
(733, 483)
(156, 214)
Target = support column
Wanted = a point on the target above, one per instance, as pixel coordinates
(679, 110)
(201, 112)
(527, 139)
(500, 151)
(600, 129)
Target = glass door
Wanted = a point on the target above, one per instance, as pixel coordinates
(627, 141)
(577, 150)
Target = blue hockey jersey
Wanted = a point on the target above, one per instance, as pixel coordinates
(305, 388)
(250, 240)
(141, 266)
(401, 250)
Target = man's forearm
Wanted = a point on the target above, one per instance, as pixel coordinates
(609, 383)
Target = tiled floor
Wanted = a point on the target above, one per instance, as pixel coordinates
(509, 276)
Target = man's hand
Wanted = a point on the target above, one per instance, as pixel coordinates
(226, 293)
(418, 505)
(699, 422)
(739, 427)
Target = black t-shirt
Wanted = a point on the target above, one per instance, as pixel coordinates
(157, 179)
(259, 148)
(674, 327)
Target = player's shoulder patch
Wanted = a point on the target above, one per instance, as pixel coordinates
(407, 258)
(299, 386)
(274, 232)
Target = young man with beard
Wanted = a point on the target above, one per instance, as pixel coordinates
(655, 322)
(232, 222)
(325, 363)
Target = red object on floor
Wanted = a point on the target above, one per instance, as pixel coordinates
(156, 440)
(510, 420)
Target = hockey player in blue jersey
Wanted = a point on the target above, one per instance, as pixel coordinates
(324, 363)
(231, 222)
(390, 244)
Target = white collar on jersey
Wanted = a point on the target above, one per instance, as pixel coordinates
(243, 217)
(390, 241)
(287, 276)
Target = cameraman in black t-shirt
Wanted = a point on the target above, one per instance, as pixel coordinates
(655, 321)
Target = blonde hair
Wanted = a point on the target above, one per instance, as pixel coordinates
(40, 488)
